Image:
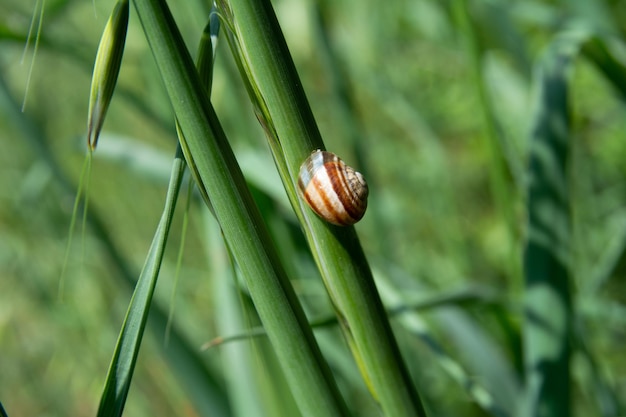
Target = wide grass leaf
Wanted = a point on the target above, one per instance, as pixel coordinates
(548, 298)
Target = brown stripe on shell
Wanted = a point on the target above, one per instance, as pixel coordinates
(332, 189)
(338, 178)
(351, 191)
(331, 208)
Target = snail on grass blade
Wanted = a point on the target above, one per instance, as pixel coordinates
(333, 190)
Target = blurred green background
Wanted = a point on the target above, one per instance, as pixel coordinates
(423, 96)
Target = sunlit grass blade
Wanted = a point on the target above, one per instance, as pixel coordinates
(336, 250)
(41, 5)
(310, 378)
(106, 70)
(123, 363)
(548, 299)
(83, 189)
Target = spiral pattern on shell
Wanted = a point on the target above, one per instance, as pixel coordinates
(333, 190)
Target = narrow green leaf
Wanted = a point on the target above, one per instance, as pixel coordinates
(127, 349)
(548, 303)
(35, 20)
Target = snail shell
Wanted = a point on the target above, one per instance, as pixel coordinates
(333, 190)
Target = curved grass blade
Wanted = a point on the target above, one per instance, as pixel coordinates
(39, 21)
(85, 175)
(125, 356)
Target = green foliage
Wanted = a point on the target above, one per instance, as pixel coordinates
(491, 134)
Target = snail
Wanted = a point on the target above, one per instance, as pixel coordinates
(333, 190)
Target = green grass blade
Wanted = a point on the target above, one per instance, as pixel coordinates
(310, 378)
(35, 20)
(127, 349)
(548, 304)
(337, 251)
